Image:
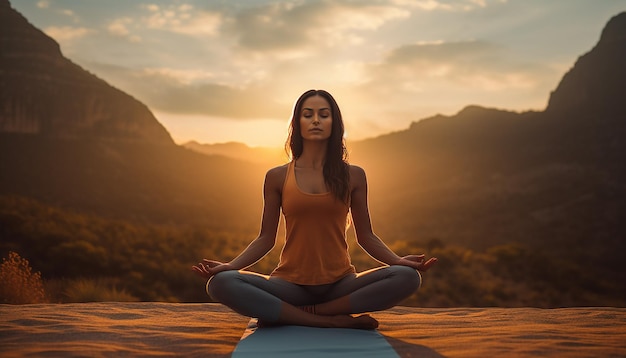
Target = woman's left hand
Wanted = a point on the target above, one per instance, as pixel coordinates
(417, 262)
(209, 268)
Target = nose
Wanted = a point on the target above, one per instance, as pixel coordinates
(316, 119)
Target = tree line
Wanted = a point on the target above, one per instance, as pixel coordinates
(80, 258)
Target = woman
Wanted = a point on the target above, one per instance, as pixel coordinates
(315, 284)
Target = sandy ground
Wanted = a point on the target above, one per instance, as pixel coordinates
(150, 329)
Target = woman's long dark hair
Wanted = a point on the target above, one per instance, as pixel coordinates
(336, 169)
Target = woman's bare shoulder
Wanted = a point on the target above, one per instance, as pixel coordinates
(281, 169)
(277, 174)
(357, 177)
(356, 171)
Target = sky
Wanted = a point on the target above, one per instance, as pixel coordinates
(217, 71)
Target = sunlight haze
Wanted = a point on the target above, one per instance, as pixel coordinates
(220, 71)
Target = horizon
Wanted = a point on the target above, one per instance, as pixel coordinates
(230, 72)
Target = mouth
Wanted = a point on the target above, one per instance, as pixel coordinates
(315, 130)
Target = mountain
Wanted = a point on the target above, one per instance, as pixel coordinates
(69, 139)
(595, 85)
(44, 93)
(554, 180)
(267, 156)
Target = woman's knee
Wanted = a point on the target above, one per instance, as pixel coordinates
(221, 283)
(409, 276)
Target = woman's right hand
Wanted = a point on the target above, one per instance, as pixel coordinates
(208, 268)
(417, 262)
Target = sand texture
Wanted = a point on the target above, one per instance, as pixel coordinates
(148, 329)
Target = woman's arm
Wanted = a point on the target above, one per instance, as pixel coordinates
(366, 237)
(259, 247)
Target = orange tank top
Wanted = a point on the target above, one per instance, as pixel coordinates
(315, 250)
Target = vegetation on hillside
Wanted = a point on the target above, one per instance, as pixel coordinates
(88, 258)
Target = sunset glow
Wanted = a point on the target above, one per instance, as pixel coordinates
(230, 71)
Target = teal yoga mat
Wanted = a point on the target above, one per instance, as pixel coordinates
(311, 342)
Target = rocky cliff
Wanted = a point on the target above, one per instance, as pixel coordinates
(553, 179)
(44, 93)
(595, 85)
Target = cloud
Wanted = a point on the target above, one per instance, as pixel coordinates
(418, 80)
(67, 33)
(191, 92)
(213, 99)
(309, 25)
(428, 5)
(478, 65)
(439, 74)
(68, 12)
(440, 51)
(45, 5)
(178, 76)
(183, 19)
(266, 55)
(119, 28)
(446, 5)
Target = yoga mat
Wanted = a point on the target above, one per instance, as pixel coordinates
(311, 342)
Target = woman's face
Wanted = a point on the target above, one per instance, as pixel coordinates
(316, 120)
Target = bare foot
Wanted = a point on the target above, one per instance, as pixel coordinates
(291, 315)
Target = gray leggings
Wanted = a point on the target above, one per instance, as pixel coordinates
(260, 296)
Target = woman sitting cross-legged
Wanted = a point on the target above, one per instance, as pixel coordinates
(315, 283)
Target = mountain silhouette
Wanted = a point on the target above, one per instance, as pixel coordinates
(595, 85)
(46, 94)
(267, 156)
(554, 180)
(68, 138)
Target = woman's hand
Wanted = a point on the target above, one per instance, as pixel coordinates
(417, 262)
(209, 268)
